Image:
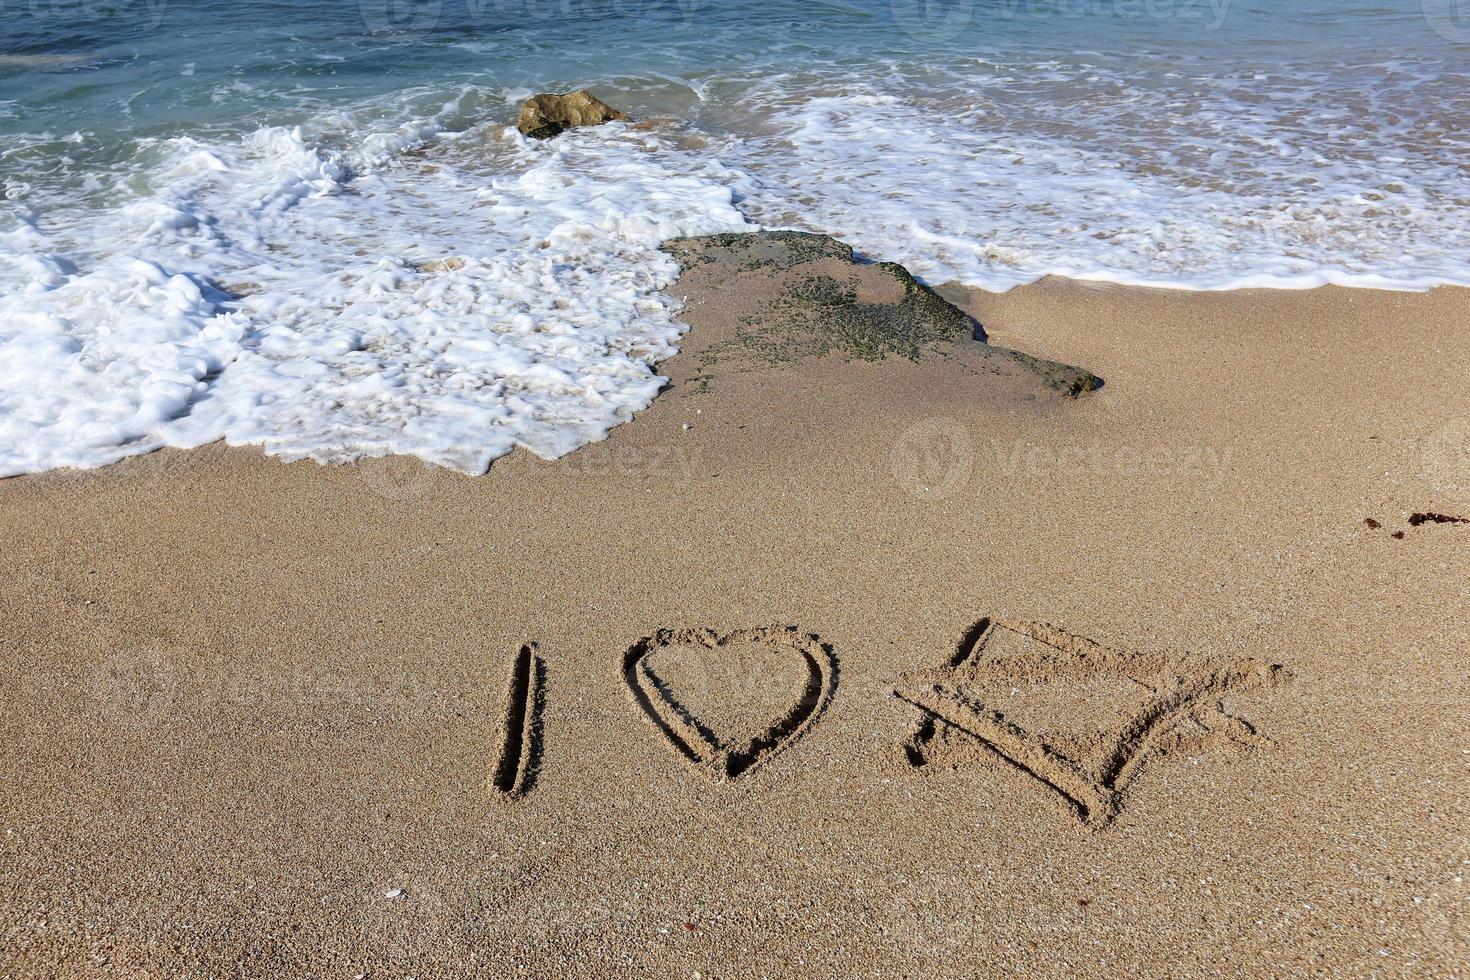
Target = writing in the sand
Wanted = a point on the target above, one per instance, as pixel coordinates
(728, 703)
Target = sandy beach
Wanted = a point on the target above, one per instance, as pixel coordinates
(254, 711)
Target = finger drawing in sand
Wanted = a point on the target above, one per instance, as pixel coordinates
(503, 489)
(727, 704)
(519, 754)
(1018, 688)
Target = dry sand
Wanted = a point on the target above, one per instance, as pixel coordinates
(246, 701)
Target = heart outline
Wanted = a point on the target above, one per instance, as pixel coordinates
(695, 742)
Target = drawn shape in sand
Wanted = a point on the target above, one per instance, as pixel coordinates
(514, 772)
(1082, 718)
(728, 704)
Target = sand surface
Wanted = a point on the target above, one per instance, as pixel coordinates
(254, 711)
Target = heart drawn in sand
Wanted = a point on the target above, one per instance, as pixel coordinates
(1093, 715)
(778, 681)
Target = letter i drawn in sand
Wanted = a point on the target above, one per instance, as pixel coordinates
(514, 772)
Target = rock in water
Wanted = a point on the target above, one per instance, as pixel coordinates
(544, 116)
(798, 295)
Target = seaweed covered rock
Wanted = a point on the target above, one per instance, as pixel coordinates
(546, 115)
(801, 295)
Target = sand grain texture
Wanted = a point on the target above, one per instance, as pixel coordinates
(246, 700)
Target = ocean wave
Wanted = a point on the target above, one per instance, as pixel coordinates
(396, 273)
(996, 178)
(337, 303)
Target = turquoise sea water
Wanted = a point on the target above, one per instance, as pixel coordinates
(229, 220)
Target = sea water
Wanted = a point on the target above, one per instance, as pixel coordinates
(308, 226)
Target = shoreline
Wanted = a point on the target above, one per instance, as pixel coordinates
(252, 699)
(976, 301)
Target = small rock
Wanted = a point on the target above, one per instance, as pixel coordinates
(546, 115)
(806, 296)
(394, 893)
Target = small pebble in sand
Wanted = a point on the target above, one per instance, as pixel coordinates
(393, 893)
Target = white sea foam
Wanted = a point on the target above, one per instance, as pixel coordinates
(394, 276)
(332, 304)
(997, 178)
